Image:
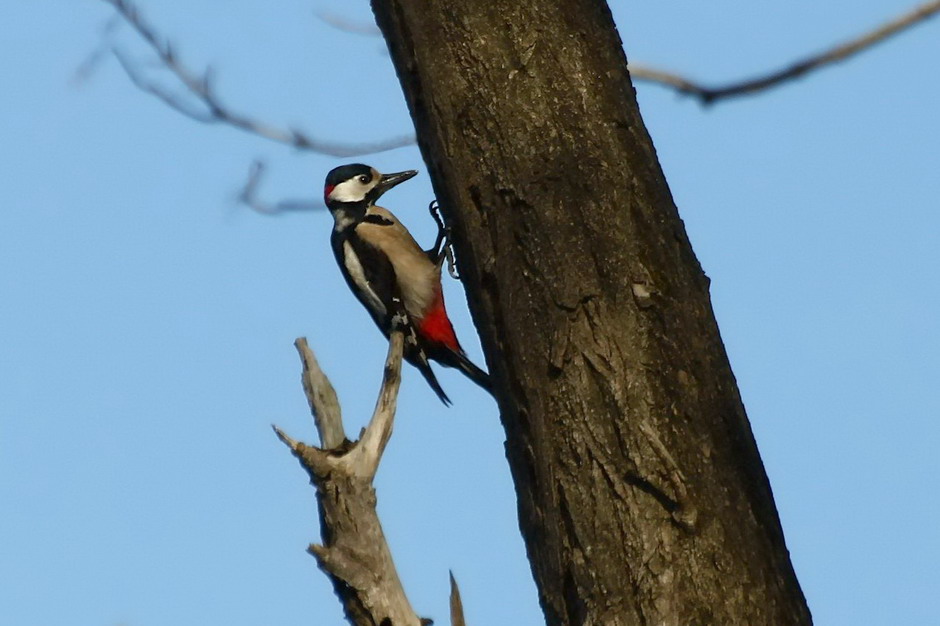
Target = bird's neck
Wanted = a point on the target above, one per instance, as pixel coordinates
(348, 214)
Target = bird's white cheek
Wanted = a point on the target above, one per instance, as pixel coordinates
(349, 191)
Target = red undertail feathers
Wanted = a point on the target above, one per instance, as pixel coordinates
(435, 327)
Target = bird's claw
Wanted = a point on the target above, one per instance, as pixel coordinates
(443, 248)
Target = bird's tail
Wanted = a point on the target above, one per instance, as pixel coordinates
(460, 361)
(425, 368)
(448, 358)
(417, 357)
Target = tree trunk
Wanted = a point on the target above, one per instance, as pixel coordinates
(642, 497)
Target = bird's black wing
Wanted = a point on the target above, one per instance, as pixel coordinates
(369, 273)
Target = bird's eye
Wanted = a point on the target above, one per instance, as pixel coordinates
(364, 179)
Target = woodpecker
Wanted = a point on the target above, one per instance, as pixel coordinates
(389, 272)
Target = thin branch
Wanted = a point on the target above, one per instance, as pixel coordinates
(286, 439)
(317, 462)
(346, 25)
(173, 101)
(321, 397)
(90, 64)
(249, 196)
(200, 87)
(841, 52)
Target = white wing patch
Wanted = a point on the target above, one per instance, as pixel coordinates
(354, 267)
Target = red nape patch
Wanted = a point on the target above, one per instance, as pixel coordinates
(327, 191)
(436, 327)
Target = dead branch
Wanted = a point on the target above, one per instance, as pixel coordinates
(354, 553)
(321, 397)
(456, 604)
(841, 52)
(210, 109)
(379, 431)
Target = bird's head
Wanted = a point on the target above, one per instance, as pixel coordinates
(358, 184)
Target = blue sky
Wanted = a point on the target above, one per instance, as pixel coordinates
(147, 319)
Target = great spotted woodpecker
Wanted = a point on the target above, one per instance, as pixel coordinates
(389, 273)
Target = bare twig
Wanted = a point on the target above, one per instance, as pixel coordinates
(200, 87)
(87, 67)
(286, 439)
(172, 100)
(316, 460)
(346, 25)
(249, 196)
(841, 52)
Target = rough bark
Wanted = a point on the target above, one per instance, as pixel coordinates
(642, 497)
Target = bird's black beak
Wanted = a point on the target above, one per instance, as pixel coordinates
(390, 180)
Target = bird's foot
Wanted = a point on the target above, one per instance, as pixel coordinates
(443, 248)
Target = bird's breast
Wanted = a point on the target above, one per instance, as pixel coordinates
(418, 278)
